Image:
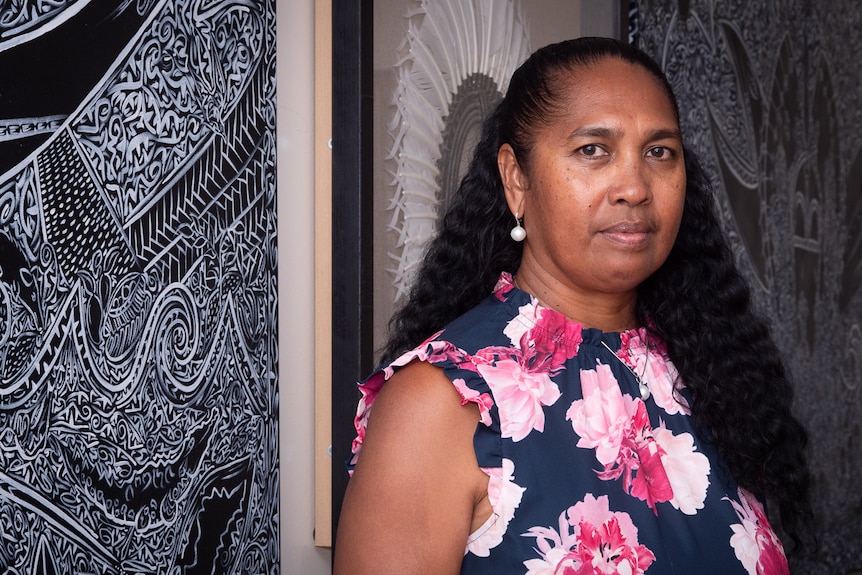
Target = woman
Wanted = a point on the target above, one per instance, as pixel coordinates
(578, 382)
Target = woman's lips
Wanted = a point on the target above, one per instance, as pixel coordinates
(628, 233)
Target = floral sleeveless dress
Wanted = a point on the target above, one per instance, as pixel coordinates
(586, 476)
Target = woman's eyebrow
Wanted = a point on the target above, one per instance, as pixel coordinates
(664, 134)
(604, 132)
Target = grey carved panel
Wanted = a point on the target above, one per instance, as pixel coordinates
(770, 97)
(138, 351)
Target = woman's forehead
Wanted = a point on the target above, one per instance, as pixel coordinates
(584, 85)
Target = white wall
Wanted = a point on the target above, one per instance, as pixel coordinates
(296, 288)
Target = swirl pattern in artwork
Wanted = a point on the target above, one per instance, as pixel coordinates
(138, 387)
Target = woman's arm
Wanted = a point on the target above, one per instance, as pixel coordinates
(417, 491)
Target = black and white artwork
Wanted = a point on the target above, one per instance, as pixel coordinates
(771, 102)
(138, 352)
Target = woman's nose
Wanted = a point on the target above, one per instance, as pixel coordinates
(630, 184)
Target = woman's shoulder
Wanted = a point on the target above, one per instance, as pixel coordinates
(420, 399)
(413, 493)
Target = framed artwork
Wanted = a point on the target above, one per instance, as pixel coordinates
(138, 287)
(753, 80)
(412, 82)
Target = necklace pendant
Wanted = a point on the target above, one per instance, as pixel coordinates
(645, 393)
(642, 387)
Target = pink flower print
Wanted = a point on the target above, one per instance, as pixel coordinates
(545, 335)
(504, 286)
(639, 462)
(601, 418)
(505, 497)
(420, 352)
(605, 550)
(433, 351)
(556, 337)
(754, 542)
(369, 390)
(521, 325)
(482, 400)
(686, 469)
(591, 540)
(654, 465)
(650, 482)
(520, 396)
(658, 371)
(662, 378)
(443, 351)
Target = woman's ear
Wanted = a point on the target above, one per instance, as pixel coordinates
(513, 178)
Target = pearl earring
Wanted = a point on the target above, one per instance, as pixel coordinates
(518, 233)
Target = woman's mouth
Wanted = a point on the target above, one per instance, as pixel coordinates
(632, 233)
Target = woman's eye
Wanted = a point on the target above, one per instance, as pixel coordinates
(591, 150)
(659, 152)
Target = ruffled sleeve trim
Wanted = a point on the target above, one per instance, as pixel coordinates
(435, 352)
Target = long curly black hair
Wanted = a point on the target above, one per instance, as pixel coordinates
(698, 302)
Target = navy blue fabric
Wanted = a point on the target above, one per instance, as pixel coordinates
(658, 501)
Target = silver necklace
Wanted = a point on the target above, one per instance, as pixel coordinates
(642, 386)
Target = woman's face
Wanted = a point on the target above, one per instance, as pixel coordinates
(602, 193)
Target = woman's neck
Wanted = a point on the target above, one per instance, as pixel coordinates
(609, 312)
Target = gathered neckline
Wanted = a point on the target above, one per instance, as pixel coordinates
(633, 339)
